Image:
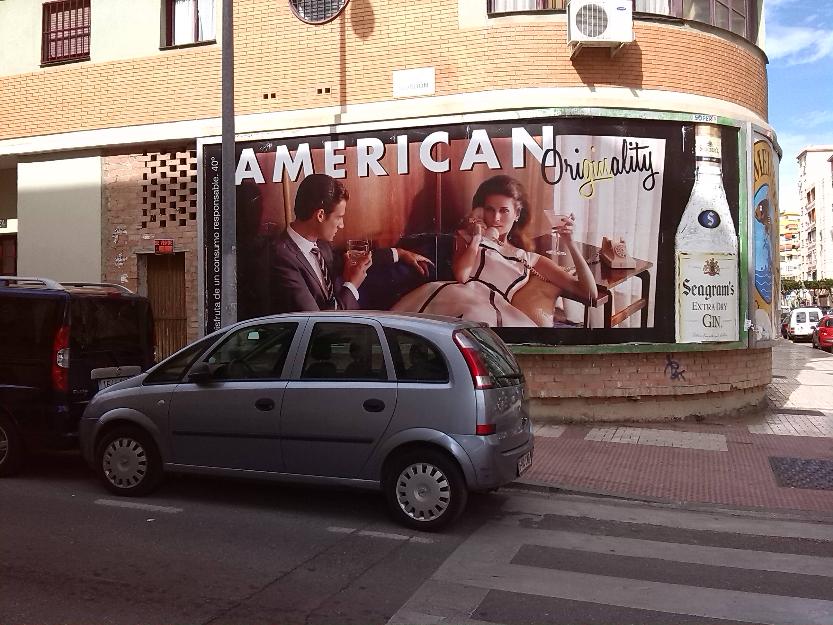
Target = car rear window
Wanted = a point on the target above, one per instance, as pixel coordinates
(814, 316)
(415, 358)
(800, 317)
(115, 325)
(499, 360)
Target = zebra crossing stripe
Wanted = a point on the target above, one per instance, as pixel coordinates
(639, 594)
(660, 515)
(693, 554)
(581, 568)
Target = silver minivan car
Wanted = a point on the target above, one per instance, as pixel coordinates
(424, 408)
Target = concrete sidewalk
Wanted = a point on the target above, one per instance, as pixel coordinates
(776, 459)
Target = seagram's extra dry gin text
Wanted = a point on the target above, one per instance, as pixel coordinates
(707, 252)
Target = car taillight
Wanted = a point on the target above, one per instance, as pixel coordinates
(60, 362)
(485, 429)
(477, 367)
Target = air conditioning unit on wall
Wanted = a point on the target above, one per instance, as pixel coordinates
(606, 23)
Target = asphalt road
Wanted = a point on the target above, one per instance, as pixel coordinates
(206, 551)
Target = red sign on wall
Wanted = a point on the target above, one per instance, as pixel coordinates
(163, 246)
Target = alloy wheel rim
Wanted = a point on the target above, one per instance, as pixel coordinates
(423, 491)
(125, 462)
(4, 445)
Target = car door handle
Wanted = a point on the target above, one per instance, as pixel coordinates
(374, 405)
(265, 404)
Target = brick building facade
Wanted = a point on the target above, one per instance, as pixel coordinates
(144, 109)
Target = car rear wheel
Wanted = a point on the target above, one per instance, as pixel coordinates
(425, 490)
(128, 462)
(11, 447)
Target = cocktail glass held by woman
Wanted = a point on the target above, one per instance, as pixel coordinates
(558, 222)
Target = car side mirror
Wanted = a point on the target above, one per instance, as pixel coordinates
(203, 373)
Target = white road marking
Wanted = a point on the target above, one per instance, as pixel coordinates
(484, 562)
(117, 503)
(658, 438)
(385, 535)
(662, 515)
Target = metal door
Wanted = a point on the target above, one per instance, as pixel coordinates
(166, 292)
(8, 255)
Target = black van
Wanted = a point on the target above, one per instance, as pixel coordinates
(52, 338)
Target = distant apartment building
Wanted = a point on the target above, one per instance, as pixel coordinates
(815, 189)
(790, 227)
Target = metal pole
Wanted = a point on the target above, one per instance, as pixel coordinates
(228, 195)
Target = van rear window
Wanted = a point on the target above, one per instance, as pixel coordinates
(800, 317)
(814, 316)
(499, 360)
(115, 325)
(28, 326)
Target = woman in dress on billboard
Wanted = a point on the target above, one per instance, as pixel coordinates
(492, 262)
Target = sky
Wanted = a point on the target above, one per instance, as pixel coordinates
(799, 44)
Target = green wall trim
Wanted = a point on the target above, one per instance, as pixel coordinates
(626, 348)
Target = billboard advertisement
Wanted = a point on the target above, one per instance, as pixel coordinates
(551, 231)
(765, 239)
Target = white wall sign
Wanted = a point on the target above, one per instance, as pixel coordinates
(707, 297)
(412, 82)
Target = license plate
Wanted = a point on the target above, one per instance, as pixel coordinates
(524, 462)
(107, 382)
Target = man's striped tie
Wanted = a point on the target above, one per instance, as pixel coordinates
(325, 274)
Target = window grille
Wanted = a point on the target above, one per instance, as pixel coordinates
(66, 31)
(317, 11)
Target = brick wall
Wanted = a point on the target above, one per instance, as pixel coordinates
(137, 210)
(593, 386)
(355, 55)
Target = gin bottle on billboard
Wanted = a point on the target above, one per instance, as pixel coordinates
(706, 245)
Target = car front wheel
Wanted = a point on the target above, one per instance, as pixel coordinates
(11, 447)
(425, 490)
(128, 462)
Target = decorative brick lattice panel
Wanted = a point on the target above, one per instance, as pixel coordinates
(169, 189)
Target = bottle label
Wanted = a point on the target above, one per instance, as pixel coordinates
(707, 148)
(707, 297)
(709, 219)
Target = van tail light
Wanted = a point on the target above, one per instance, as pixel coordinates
(60, 362)
(477, 367)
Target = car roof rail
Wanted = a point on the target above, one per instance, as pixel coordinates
(100, 285)
(31, 281)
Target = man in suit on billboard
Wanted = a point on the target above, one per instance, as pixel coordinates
(305, 273)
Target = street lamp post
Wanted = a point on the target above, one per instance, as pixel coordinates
(228, 195)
